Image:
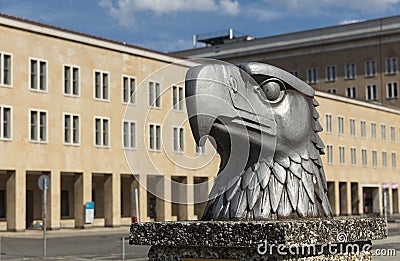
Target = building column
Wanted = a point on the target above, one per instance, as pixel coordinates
(53, 201)
(16, 200)
(337, 199)
(112, 205)
(361, 199)
(81, 186)
(190, 198)
(349, 202)
(390, 201)
(143, 198)
(378, 201)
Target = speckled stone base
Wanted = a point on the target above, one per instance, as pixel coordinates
(305, 239)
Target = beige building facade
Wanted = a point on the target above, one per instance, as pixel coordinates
(103, 119)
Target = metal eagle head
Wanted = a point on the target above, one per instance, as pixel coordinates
(264, 125)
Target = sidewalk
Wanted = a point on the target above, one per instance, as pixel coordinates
(68, 232)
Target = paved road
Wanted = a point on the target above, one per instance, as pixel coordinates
(103, 245)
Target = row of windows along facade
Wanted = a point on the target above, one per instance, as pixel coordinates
(350, 73)
(38, 119)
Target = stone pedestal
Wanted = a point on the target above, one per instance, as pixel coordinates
(305, 239)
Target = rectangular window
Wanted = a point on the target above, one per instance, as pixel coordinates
(178, 139)
(129, 135)
(352, 127)
(312, 75)
(374, 159)
(38, 125)
(5, 123)
(341, 155)
(371, 92)
(154, 94)
(329, 154)
(65, 203)
(383, 132)
(201, 150)
(38, 75)
(71, 129)
(370, 68)
(71, 80)
(3, 204)
(392, 134)
(392, 90)
(128, 90)
(364, 157)
(330, 75)
(350, 71)
(328, 123)
(353, 156)
(101, 85)
(373, 131)
(394, 160)
(331, 90)
(295, 73)
(101, 131)
(363, 129)
(340, 125)
(5, 69)
(155, 137)
(351, 92)
(384, 159)
(391, 65)
(177, 98)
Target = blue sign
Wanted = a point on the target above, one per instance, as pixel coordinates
(89, 205)
(89, 212)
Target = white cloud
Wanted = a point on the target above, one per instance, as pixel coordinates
(351, 21)
(125, 10)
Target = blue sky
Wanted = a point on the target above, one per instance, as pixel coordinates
(168, 25)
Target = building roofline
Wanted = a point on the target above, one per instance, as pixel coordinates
(356, 102)
(312, 37)
(67, 34)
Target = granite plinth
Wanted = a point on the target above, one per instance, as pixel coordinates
(245, 240)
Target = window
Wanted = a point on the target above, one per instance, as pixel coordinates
(38, 75)
(392, 90)
(391, 65)
(101, 132)
(363, 129)
(155, 137)
(392, 134)
(373, 131)
(374, 158)
(65, 203)
(129, 134)
(38, 125)
(178, 139)
(5, 123)
(71, 129)
(128, 89)
(329, 154)
(370, 68)
(350, 71)
(3, 204)
(177, 98)
(364, 157)
(341, 155)
(353, 156)
(101, 85)
(154, 94)
(352, 127)
(394, 162)
(312, 75)
(328, 123)
(5, 69)
(340, 125)
(383, 132)
(384, 159)
(371, 92)
(331, 90)
(330, 75)
(295, 73)
(71, 80)
(201, 150)
(351, 92)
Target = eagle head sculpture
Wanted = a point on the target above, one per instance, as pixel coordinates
(265, 128)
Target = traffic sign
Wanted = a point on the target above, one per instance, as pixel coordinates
(44, 182)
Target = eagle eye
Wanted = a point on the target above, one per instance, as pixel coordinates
(273, 89)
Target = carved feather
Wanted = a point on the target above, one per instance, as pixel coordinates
(292, 186)
(279, 173)
(275, 192)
